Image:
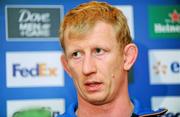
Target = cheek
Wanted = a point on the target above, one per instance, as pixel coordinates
(74, 68)
(116, 65)
(112, 72)
(111, 67)
(108, 71)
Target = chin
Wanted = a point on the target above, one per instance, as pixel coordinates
(96, 100)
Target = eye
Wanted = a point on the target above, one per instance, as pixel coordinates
(99, 51)
(76, 54)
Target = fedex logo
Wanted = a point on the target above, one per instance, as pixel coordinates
(38, 70)
(34, 69)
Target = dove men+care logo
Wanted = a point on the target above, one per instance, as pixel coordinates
(32, 22)
(164, 21)
(34, 69)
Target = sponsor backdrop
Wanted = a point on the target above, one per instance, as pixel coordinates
(32, 77)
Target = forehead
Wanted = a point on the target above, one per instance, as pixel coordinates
(101, 32)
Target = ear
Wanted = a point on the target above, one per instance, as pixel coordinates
(65, 64)
(130, 55)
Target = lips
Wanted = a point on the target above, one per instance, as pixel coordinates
(93, 86)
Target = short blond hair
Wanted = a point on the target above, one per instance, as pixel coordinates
(80, 20)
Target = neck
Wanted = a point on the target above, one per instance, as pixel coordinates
(120, 106)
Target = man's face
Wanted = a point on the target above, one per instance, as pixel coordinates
(95, 63)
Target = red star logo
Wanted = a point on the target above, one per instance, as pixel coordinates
(175, 16)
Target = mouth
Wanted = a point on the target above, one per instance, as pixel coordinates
(93, 86)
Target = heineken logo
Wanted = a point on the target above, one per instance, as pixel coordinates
(175, 16)
(164, 21)
(27, 22)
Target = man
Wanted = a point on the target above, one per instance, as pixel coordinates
(98, 53)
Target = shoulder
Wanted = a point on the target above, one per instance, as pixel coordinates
(141, 112)
(138, 111)
(152, 113)
(71, 111)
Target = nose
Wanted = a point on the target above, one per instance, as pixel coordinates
(89, 66)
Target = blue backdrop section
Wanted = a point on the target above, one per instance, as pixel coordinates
(140, 86)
